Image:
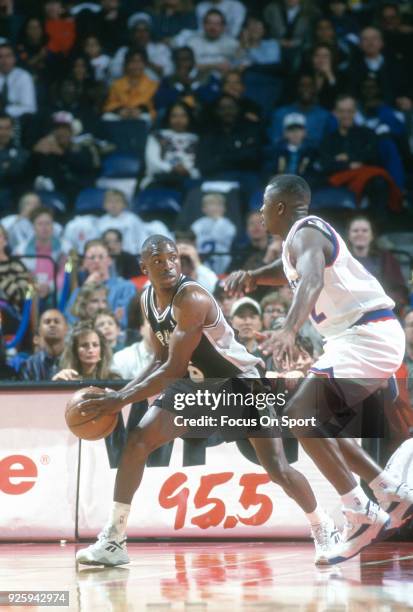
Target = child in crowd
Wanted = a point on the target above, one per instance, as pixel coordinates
(99, 61)
(118, 217)
(214, 232)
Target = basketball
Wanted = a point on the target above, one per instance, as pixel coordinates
(88, 427)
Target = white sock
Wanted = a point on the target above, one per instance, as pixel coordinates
(383, 481)
(356, 499)
(118, 519)
(317, 517)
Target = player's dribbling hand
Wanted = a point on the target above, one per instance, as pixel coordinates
(106, 402)
(239, 282)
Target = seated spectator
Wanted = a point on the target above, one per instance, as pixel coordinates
(17, 93)
(224, 299)
(397, 31)
(408, 358)
(79, 230)
(159, 55)
(82, 74)
(186, 83)
(214, 232)
(273, 306)
(215, 52)
(246, 320)
(90, 299)
(374, 62)
(325, 34)
(191, 262)
(350, 158)
(60, 28)
(96, 265)
(131, 361)
(345, 25)
(100, 61)
(14, 281)
(106, 323)
(13, 161)
(132, 228)
(256, 48)
(32, 47)
(230, 148)
(107, 21)
(69, 165)
(131, 97)
(328, 81)
(126, 264)
(294, 154)
(51, 332)
(233, 10)
(170, 152)
(233, 85)
(258, 242)
(19, 227)
(44, 243)
(6, 371)
(170, 17)
(289, 22)
(379, 262)
(318, 119)
(86, 355)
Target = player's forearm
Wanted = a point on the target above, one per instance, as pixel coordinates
(303, 303)
(271, 274)
(157, 381)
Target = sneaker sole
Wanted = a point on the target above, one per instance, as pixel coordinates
(400, 517)
(96, 563)
(376, 538)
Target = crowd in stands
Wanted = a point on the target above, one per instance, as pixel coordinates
(124, 118)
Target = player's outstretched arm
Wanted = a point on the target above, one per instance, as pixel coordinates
(247, 280)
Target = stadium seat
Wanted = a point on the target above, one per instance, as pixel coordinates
(333, 198)
(90, 200)
(120, 165)
(255, 201)
(129, 136)
(158, 200)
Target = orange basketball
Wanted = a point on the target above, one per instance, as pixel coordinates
(88, 427)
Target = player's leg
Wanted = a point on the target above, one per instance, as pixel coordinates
(156, 428)
(392, 493)
(271, 455)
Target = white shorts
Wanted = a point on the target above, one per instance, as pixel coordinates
(364, 354)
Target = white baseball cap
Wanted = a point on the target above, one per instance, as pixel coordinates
(244, 301)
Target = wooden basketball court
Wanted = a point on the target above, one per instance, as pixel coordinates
(216, 576)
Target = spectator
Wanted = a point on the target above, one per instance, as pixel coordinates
(19, 227)
(100, 61)
(47, 256)
(60, 28)
(381, 263)
(233, 85)
(69, 165)
(191, 263)
(233, 10)
(90, 299)
(17, 93)
(215, 52)
(6, 371)
(10, 21)
(131, 361)
(326, 78)
(214, 232)
(32, 48)
(170, 152)
(230, 147)
(108, 23)
(44, 364)
(350, 158)
(13, 160)
(256, 48)
(345, 25)
(397, 34)
(408, 359)
(126, 264)
(246, 320)
(96, 264)
(294, 154)
(325, 34)
(318, 119)
(131, 96)
(273, 306)
(14, 277)
(170, 17)
(373, 63)
(117, 216)
(87, 355)
(224, 299)
(257, 236)
(106, 323)
(159, 55)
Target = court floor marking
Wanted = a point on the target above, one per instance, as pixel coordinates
(382, 561)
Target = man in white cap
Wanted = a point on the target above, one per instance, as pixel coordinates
(245, 318)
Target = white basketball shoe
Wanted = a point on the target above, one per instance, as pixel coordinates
(398, 503)
(363, 527)
(326, 537)
(107, 550)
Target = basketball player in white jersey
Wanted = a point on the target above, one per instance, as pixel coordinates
(364, 346)
(187, 327)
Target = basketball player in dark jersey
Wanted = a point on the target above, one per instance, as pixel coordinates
(188, 328)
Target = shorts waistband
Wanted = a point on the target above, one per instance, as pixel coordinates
(375, 315)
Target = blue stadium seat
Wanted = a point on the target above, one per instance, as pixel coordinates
(90, 200)
(120, 165)
(158, 200)
(129, 136)
(53, 199)
(333, 198)
(255, 201)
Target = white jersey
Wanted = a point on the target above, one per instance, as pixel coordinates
(349, 290)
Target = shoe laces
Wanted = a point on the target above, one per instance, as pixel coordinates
(321, 535)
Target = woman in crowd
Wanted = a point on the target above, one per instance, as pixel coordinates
(91, 298)
(106, 324)
(326, 79)
(87, 355)
(32, 49)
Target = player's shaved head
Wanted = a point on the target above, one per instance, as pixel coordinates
(156, 243)
(294, 189)
(287, 197)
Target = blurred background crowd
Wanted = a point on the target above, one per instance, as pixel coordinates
(124, 118)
